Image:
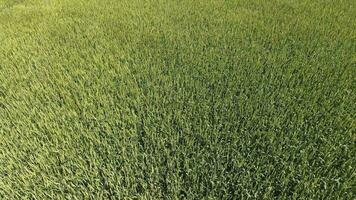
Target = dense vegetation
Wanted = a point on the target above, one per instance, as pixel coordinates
(156, 99)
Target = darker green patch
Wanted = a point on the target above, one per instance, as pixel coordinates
(7, 4)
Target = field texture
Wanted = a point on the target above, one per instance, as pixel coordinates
(177, 99)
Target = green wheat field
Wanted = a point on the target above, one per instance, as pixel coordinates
(178, 99)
